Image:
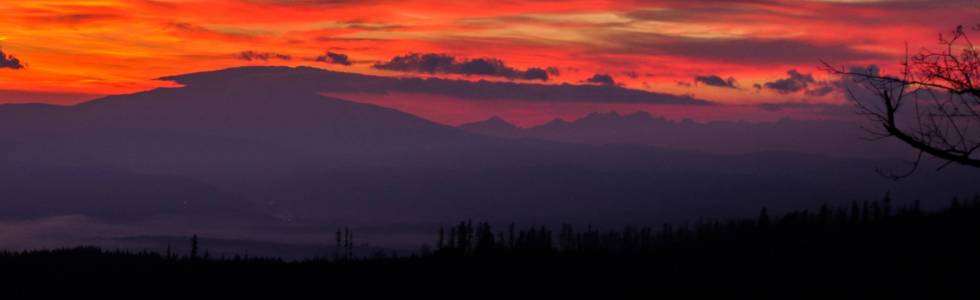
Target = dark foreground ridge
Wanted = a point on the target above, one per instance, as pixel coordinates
(867, 250)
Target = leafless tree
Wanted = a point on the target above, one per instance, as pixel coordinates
(933, 104)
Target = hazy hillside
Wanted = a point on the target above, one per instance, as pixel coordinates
(263, 142)
(824, 137)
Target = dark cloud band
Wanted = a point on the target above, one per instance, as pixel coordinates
(435, 63)
(312, 79)
(743, 50)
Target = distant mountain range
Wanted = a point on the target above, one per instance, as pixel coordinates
(258, 153)
(823, 137)
(312, 79)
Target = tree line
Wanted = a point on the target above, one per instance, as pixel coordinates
(870, 249)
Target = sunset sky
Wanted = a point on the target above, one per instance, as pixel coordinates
(733, 52)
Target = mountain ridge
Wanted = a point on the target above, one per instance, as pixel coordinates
(269, 140)
(824, 137)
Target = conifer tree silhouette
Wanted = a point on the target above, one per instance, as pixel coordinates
(348, 243)
(338, 249)
(194, 247)
(763, 218)
(442, 239)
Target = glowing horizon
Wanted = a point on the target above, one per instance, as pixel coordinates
(75, 50)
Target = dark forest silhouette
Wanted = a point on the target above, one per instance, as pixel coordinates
(866, 249)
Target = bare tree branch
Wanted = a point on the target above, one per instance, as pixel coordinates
(942, 89)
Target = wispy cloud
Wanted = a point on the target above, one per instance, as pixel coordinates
(262, 56)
